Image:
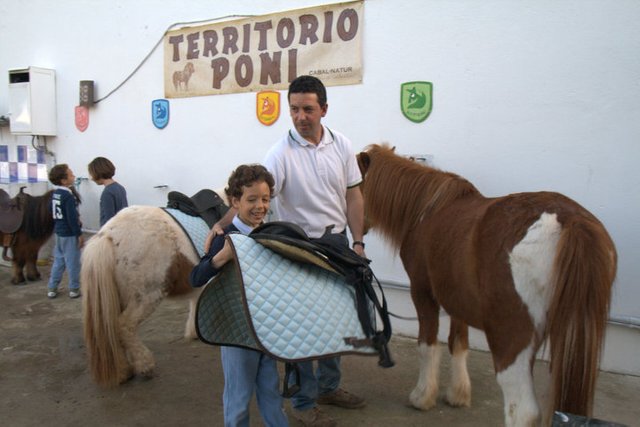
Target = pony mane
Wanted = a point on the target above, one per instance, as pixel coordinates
(38, 221)
(406, 192)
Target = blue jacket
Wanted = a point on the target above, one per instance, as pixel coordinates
(204, 271)
(64, 208)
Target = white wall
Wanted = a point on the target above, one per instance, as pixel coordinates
(528, 95)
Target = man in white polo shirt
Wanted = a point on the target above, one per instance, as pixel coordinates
(316, 186)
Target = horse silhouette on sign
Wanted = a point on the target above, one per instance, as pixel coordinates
(181, 78)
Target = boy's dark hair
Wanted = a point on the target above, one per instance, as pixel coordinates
(309, 84)
(58, 173)
(244, 176)
(101, 168)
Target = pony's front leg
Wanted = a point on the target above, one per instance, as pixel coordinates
(459, 391)
(190, 327)
(18, 276)
(425, 393)
(31, 268)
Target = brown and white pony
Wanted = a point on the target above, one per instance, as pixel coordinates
(138, 257)
(36, 229)
(523, 268)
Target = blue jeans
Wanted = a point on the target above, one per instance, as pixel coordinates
(66, 254)
(325, 380)
(246, 371)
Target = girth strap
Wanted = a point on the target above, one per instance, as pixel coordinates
(7, 241)
(361, 279)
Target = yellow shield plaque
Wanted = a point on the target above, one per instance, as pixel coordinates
(268, 106)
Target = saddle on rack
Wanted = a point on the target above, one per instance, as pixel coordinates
(206, 204)
(11, 211)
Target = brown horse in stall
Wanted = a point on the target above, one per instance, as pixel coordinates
(523, 268)
(32, 216)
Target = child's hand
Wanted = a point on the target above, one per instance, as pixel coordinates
(80, 241)
(222, 257)
(216, 230)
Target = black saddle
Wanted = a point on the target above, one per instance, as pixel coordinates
(206, 204)
(11, 211)
(330, 251)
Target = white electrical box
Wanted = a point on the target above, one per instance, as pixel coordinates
(32, 101)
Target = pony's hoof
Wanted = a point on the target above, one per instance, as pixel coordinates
(18, 283)
(126, 377)
(190, 336)
(459, 394)
(457, 401)
(421, 401)
(147, 374)
(145, 371)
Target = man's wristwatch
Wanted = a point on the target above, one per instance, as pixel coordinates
(358, 242)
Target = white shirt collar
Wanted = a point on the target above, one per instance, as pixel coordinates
(241, 226)
(327, 137)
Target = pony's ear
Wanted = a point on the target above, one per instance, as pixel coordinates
(363, 162)
(393, 149)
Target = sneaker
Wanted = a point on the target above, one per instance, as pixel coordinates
(74, 294)
(341, 398)
(314, 417)
(52, 293)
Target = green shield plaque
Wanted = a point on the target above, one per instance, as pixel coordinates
(416, 100)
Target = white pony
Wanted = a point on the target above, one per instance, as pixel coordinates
(138, 257)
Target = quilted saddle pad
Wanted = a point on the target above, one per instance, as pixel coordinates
(290, 310)
(194, 227)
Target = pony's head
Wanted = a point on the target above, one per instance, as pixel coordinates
(364, 161)
(394, 185)
(364, 157)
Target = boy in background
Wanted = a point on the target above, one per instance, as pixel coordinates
(114, 195)
(67, 226)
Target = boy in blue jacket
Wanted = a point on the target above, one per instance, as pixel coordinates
(67, 226)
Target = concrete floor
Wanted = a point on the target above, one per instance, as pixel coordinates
(44, 379)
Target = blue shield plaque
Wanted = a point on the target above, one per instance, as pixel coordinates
(160, 113)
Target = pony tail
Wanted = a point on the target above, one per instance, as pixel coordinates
(584, 271)
(101, 309)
